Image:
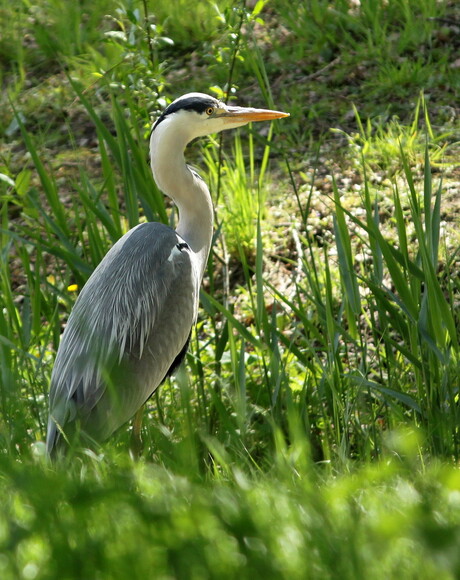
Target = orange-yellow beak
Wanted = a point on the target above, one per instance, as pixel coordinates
(245, 114)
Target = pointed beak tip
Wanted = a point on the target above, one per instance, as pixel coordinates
(271, 116)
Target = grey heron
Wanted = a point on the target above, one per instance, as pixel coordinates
(130, 326)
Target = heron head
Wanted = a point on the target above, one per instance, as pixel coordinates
(201, 115)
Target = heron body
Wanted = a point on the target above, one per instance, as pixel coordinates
(131, 323)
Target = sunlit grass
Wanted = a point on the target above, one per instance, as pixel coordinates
(381, 141)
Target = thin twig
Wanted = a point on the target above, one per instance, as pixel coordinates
(320, 71)
(149, 36)
(225, 257)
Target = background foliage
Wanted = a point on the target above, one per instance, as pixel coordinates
(315, 429)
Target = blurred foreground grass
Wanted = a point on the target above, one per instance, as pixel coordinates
(116, 519)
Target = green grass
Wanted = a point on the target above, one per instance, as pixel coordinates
(138, 520)
(314, 430)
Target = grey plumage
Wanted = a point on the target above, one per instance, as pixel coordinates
(116, 346)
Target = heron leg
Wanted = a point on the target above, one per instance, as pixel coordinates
(136, 439)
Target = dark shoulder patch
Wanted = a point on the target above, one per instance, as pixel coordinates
(195, 173)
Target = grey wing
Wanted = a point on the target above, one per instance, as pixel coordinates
(130, 322)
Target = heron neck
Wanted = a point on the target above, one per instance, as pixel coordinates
(188, 191)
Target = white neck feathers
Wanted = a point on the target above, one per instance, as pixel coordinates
(184, 187)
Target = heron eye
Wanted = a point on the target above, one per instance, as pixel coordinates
(209, 111)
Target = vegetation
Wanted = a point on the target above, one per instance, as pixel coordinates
(314, 431)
